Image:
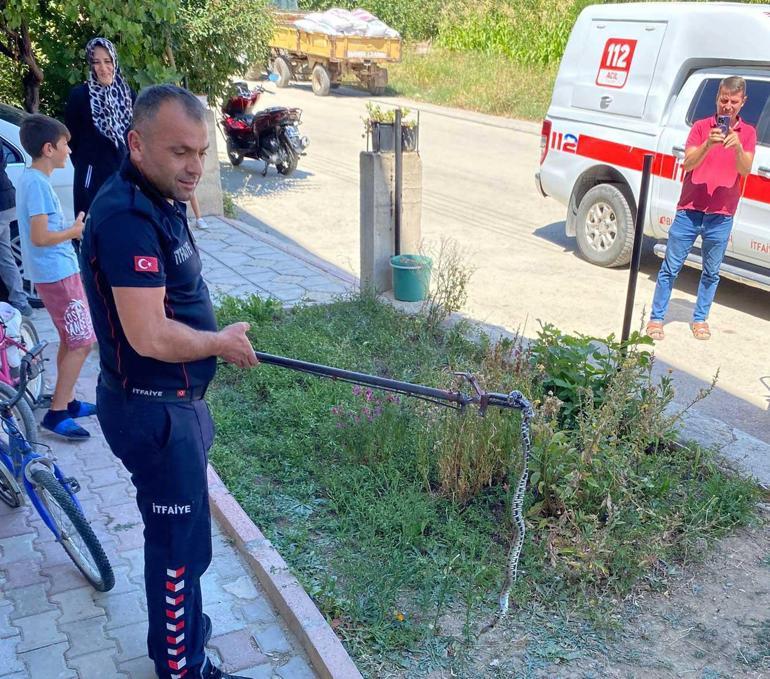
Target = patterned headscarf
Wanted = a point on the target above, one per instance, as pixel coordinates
(111, 106)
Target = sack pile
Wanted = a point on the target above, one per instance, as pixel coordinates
(344, 22)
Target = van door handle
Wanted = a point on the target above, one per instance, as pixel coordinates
(678, 151)
(763, 171)
(605, 101)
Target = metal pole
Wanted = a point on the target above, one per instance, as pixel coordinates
(369, 380)
(636, 253)
(399, 179)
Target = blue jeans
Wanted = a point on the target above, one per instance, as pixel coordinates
(714, 231)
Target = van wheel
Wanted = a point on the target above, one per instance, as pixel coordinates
(605, 226)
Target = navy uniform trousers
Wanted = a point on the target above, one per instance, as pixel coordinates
(165, 448)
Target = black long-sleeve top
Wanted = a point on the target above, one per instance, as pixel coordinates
(94, 157)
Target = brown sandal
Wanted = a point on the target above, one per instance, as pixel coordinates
(700, 330)
(655, 330)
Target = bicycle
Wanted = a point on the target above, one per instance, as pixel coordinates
(51, 493)
(9, 375)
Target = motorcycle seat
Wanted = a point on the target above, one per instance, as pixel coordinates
(247, 118)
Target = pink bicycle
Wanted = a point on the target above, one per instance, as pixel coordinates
(9, 376)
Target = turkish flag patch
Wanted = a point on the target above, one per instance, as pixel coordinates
(145, 264)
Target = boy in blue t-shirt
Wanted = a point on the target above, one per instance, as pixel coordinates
(52, 265)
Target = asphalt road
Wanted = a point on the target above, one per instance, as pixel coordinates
(478, 189)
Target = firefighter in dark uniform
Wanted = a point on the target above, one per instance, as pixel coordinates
(159, 345)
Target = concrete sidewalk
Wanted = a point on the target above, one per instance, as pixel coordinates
(53, 625)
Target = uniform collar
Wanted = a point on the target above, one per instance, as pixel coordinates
(132, 174)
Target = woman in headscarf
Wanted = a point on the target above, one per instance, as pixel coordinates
(98, 115)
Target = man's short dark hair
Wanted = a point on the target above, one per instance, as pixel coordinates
(38, 130)
(152, 98)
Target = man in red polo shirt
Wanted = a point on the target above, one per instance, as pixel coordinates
(715, 161)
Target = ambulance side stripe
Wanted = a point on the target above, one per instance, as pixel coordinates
(755, 187)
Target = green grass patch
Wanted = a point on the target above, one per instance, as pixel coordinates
(475, 81)
(394, 514)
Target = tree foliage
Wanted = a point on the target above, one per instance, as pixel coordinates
(216, 39)
(202, 41)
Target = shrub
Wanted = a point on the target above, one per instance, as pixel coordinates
(451, 276)
(575, 368)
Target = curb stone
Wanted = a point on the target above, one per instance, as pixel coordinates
(327, 654)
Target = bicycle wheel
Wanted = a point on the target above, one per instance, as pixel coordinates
(77, 536)
(10, 493)
(22, 413)
(29, 338)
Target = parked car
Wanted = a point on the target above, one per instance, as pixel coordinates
(17, 158)
(633, 79)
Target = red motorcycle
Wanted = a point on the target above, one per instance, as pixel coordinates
(270, 135)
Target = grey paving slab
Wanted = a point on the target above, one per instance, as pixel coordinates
(296, 668)
(48, 662)
(39, 631)
(9, 661)
(18, 548)
(7, 628)
(272, 640)
(52, 624)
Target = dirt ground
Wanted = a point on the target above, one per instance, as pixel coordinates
(712, 622)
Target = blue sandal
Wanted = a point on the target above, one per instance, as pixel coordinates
(82, 409)
(66, 428)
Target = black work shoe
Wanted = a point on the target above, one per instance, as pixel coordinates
(208, 671)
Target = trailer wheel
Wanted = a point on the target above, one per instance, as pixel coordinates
(605, 226)
(321, 81)
(282, 69)
(376, 81)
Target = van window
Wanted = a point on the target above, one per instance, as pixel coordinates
(756, 111)
(11, 154)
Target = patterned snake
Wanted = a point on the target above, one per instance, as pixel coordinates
(516, 400)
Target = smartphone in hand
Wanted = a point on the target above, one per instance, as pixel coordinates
(723, 122)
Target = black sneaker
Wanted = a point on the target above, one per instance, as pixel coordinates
(208, 671)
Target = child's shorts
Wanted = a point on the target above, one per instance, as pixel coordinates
(66, 302)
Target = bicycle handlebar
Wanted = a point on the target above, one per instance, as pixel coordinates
(30, 368)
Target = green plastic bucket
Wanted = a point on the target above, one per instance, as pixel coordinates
(411, 277)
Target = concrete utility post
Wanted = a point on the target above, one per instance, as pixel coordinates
(209, 191)
(377, 202)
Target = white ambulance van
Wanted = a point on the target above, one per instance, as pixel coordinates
(632, 81)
